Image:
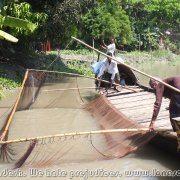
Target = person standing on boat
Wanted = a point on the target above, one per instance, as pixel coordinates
(163, 91)
(110, 70)
(111, 47)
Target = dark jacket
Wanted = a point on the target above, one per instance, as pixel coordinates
(164, 91)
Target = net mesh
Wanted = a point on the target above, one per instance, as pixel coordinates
(53, 103)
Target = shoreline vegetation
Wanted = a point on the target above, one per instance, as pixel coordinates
(75, 61)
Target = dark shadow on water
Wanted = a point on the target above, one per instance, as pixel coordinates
(152, 152)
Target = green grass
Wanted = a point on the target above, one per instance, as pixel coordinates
(7, 84)
(73, 52)
(9, 80)
(157, 55)
(72, 66)
(137, 53)
(78, 67)
(81, 69)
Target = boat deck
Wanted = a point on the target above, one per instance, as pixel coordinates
(137, 104)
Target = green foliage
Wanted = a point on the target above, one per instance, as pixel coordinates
(13, 22)
(72, 66)
(63, 19)
(150, 39)
(126, 20)
(152, 18)
(17, 23)
(8, 83)
(80, 68)
(164, 12)
(20, 18)
(24, 11)
(108, 21)
(78, 51)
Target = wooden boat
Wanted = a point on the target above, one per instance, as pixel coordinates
(136, 102)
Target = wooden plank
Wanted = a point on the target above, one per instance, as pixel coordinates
(129, 95)
(139, 108)
(125, 101)
(142, 105)
(136, 102)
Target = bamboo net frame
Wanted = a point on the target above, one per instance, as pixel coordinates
(83, 133)
(145, 74)
(9, 120)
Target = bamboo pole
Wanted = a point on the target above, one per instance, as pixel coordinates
(125, 87)
(88, 77)
(46, 90)
(171, 87)
(67, 89)
(14, 107)
(82, 133)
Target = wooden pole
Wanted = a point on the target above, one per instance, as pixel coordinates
(171, 87)
(93, 51)
(14, 107)
(82, 133)
(46, 90)
(67, 89)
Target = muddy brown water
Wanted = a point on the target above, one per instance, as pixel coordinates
(147, 163)
(161, 70)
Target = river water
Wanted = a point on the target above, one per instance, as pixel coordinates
(161, 69)
(147, 163)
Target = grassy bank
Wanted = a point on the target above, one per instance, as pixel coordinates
(11, 76)
(9, 80)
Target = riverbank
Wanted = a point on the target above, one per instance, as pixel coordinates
(12, 69)
(135, 56)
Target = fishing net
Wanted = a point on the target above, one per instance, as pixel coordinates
(66, 116)
(177, 126)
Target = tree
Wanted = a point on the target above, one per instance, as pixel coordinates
(12, 22)
(153, 17)
(63, 19)
(106, 20)
(19, 18)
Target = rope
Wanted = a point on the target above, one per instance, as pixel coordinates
(53, 61)
(104, 155)
(79, 91)
(58, 55)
